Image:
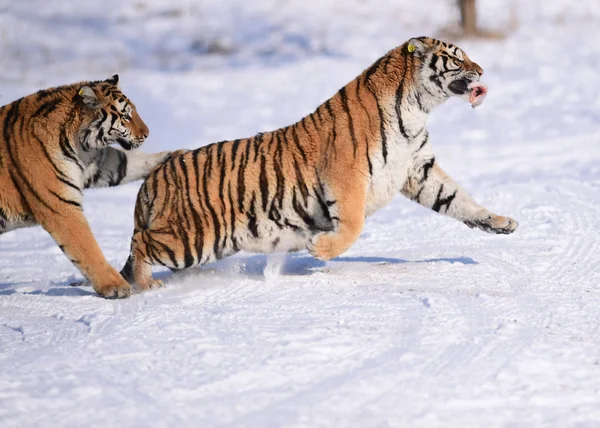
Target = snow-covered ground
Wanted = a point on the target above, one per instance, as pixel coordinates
(424, 322)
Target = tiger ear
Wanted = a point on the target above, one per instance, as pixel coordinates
(417, 47)
(114, 80)
(89, 96)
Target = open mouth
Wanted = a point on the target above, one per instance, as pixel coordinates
(459, 87)
(478, 93)
(477, 90)
(124, 143)
(130, 144)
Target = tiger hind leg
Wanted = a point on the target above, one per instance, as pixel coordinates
(138, 268)
(348, 213)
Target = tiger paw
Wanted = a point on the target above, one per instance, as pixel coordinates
(324, 247)
(116, 291)
(154, 283)
(494, 224)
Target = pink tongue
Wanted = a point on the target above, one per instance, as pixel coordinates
(478, 93)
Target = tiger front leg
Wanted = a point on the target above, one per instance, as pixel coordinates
(431, 187)
(112, 167)
(72, 233)
(346, 200)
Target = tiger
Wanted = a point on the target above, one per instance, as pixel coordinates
(53, 145)
(312, 184)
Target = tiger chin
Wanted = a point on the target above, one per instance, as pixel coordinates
(310, 185)
(54, 145)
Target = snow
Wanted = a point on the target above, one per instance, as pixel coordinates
(423, 322)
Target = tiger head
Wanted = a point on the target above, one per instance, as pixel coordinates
(115, 118)
(446, 70)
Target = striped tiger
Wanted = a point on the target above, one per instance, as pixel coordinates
(310, 185)
(54, 144)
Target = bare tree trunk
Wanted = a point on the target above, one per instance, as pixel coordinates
(468, 17)
(468, 23)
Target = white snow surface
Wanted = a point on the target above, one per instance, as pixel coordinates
(423, 322)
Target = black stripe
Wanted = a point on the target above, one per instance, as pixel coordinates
(257, 142)
(419, 103)
(199, 236)
(232, 217)
(312, 118)
(219, 152)
(234, 149)
(373, 68)
(264, 182)
(45, 93)
(275, 216)
(418, 195)
(67, 149)
(440, 202)
(297, 141)
(241, 177)
(426, 167)
(197, 233)
(46, 108)
(61, 176)
(319, 113)
(381, 126)
(121, 171)
(68, 183)
(362, 104)
(333, 133)
(252, 224)
(301, 183)
(346, 108)
(163, 247)
(306, 218)
(279, 176)
(323, 204)
(425, 140)
(67, 201)
(432, 65)
(223, 170)
(213, 214)
(398, 103)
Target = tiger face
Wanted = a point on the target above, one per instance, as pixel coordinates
(447, 70)
(117, 120)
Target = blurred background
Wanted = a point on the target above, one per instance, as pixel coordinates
(97, 36)
(192, 64)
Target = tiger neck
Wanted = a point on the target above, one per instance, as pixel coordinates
(62, 116)
(411, 110)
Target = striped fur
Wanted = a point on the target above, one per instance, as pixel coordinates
(311, 184)
(54, 144)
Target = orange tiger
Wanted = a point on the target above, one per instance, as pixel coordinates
(310, 185)
(53, 145)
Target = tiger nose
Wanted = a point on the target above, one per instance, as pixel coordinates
(145, 131)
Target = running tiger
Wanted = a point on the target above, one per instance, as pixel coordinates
(53, 145)
(311, 184)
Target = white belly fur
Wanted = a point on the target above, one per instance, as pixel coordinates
(387, 180)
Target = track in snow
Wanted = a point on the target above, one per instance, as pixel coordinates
(423, 322)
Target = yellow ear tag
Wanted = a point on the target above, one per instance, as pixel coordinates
(411, 48)
(81, 92)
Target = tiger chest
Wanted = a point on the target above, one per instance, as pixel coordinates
(388, 177)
